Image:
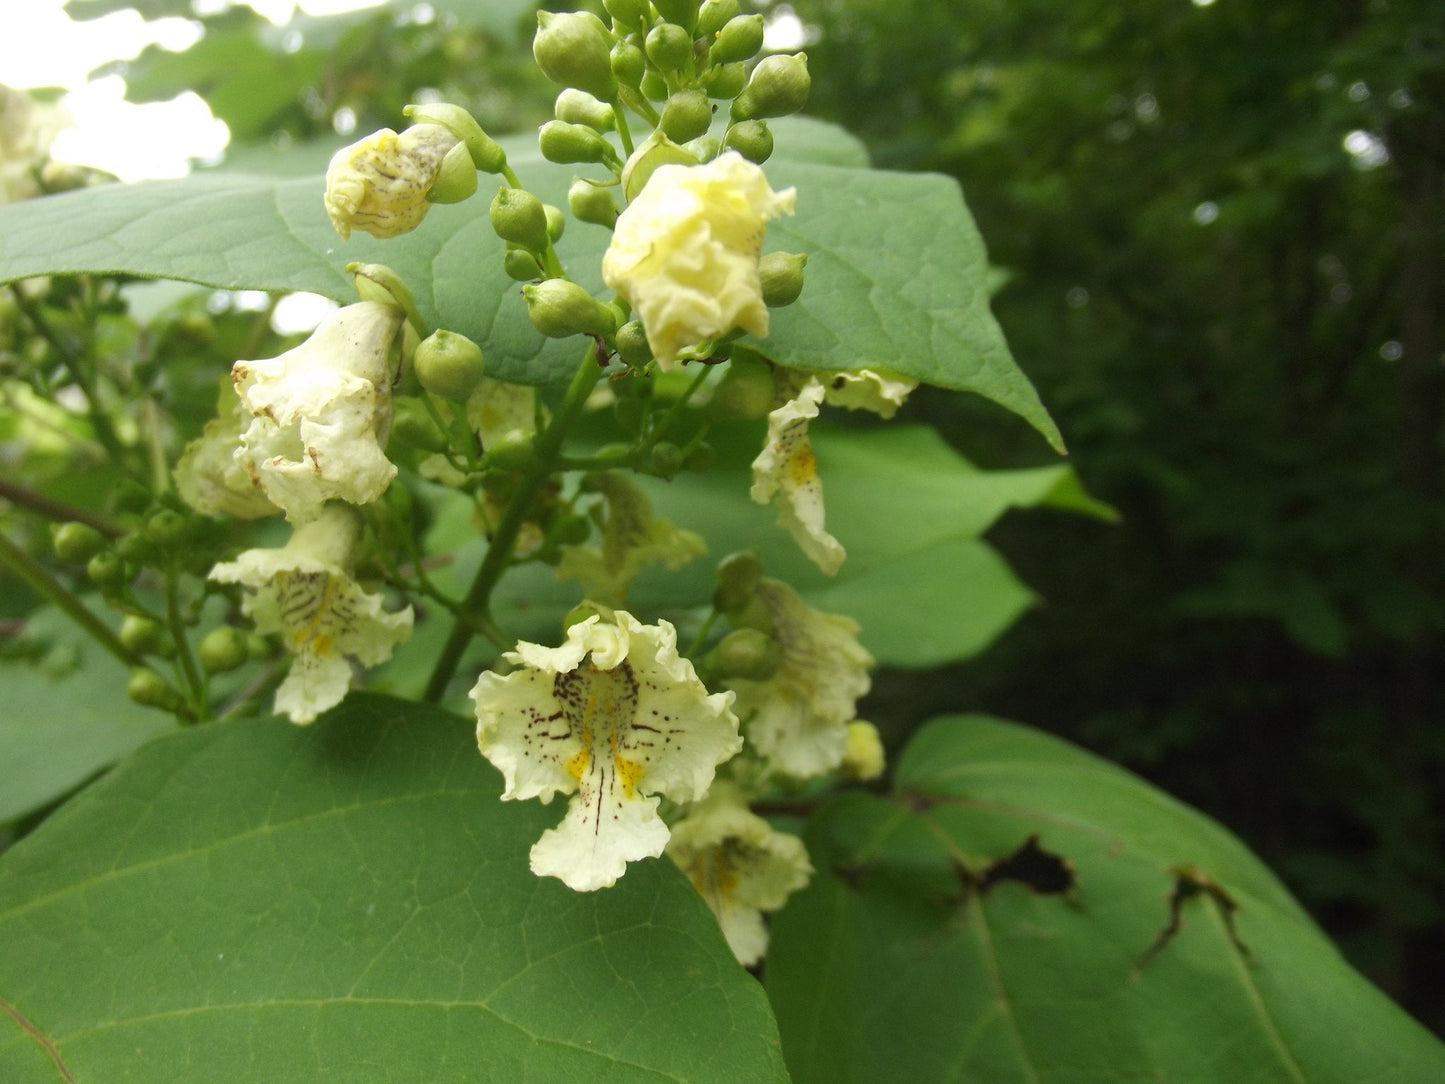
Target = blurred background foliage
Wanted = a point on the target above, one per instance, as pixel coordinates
(1219, 232)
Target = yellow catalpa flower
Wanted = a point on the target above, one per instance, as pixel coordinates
(786, 471)
(320, 413)
(614, 717)
(740, 865)
(209, 478)
(304, 591)
(379, 184)
(685, 252)
(797, 719)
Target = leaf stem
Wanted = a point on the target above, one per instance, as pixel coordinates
(58, 510)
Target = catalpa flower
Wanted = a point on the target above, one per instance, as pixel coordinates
(786, 469)
(209, 478)
(685, 252)
(740, 865)
(304, 591)
(321, 412)
(379, 184)
(614, 717)
(798, 718)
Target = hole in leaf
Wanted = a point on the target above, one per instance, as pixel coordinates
(1189, 884)
(1044, 872)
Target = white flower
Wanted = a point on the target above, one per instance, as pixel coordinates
(739, 865)
(305, 592)
(27, 129)
(798, 718)
(615, 717)
(320, 413)
(379, 184)
(209, 478)
(786, 469)
(685, 252)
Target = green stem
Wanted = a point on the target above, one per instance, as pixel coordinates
(194, 682)
(701, 637)
(57, 510)
(499, 553)
(673, 412)
(623, 132)
(46, 585)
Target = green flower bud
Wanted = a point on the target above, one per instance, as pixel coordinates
(129, 496)
(135, 548)
(412, 426)
(753, 139)
(653, 86)
(725, 80)
(779, 86)
(781, 276)
(666, 459)
(738, 575)
(449, 365)
(519, 217)
(590, 202)
(686, 115)
(486, 153)
(744, 653)
(628, 13)
(632, 345)
(149, 688)
(704, 148)
(628, 63)
(222, 649)
(747, 390)
(681, 13)
(703, 457)
(570, 530)
(379, 283)
(77, 542)
(740, 39)
(864, 758)
(565, 143)
(578, 107)
(559, 309)
(106, 570)
(521, 265)
(656, 150)
(258, 647)
(167, 529)
(669, 47)
(512, 451)
(714, 15)
(573, 49)
(145, 636)
(556, 222)
(457, 177)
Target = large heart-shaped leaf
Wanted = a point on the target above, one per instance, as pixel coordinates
(348, 902)
(1019, 910)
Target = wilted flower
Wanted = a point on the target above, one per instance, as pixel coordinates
(209, 478)
(616, 717)
(798, 718)
(740, 865)
(320, 413)
(379, 184)
(304, 591)
(685, 252)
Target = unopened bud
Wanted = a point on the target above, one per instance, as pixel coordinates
(778, 87)
(106, 570)
(701, 457)
(747, 390)
(739, 40)
(669, 47)
(632, 345)
(519, 217)
(628, 63)
(149, 688)
(166, 529)
(569, 530)
(578, 107)
(521, 265)
(222, 650)
(863, 759)
(486, 153)
(566, 143)
(753, 139)
(725, 81)
(457, 178)
(412, 425)
(781, 277)
(449, 365)
(686, 115)
(666, 459)
(573, 49)
(738, 575)
(704, 148)
(145, 636)
(653, 86)
(512, 451)
(714, 15)
(628, 13)
(682, 13)
(77, 542)
(556, 222)
(744, 653)
(590, 202)
(559, 308)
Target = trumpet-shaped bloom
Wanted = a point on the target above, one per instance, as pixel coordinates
(379, 184)
(685, 252)
(304, 591)
(616, 718)
(321, 412)
(209, 478)
(798, 718)
(739, 865)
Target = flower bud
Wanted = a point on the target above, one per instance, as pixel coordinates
(739, 40)
(863, 759)
(681, 13)
(702, 457)
(449, 365)
(135, 547)
(130, 496)
(380, 184)
(781, 277)
(632, 345)
(559, 308)
(747, 390)
(144, 636)
(521, 265)
(725, 81)
(779, 86)
(77, 542)
(486, 153)
(167, 529)
(593, 203)
(222, 649)
(666, 459)
(753, 139)
(686, 115)
(149, 688)
(556, 222)
(565, 143)
(714, 15)
(106, 570)
(669, 47)
(512, 451)
(738, 575)
(628, 63)
(654, 151)
(519, 217)
(653, 86)
(569, 531)
(744, 653)
(412, 425)
(704, 148)
(573, 49)
(578, 107)
(457, 178)
(628, 13)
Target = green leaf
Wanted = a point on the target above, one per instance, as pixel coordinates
(254, 901)
(1019, 910)
(897, 270)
